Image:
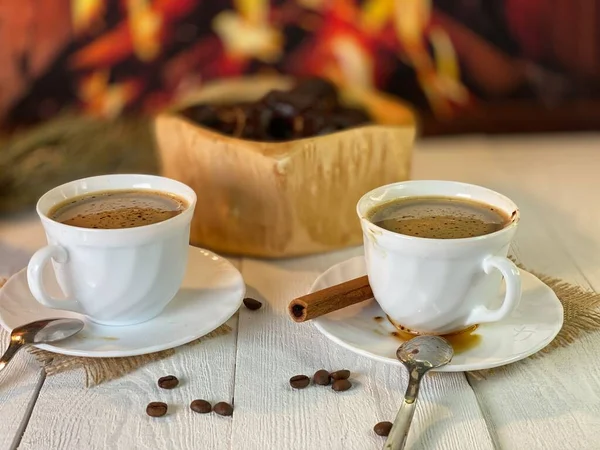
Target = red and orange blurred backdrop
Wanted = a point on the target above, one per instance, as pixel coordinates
(466, 65)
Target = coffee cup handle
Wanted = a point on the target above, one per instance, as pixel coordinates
(35, 270)
(512, 279)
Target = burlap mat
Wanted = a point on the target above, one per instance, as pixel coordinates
(581, 316)
(581, 311)
(100, 370)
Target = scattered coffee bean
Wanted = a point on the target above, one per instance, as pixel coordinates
(340, 375)
(223, 409)
(322, 378)
(252, 304)
(299, 381)
(156, 409)
(383, 428)
(341, 385)
(200, 406)
(168, 382)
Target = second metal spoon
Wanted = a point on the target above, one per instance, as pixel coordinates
(419, 355)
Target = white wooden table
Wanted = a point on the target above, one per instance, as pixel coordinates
(547, 403)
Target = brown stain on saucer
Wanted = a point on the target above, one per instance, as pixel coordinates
(84, 336)
(461, 341)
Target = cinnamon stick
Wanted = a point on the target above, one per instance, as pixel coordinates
(330, 299)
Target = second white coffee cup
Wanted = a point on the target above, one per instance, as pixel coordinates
(440, 286)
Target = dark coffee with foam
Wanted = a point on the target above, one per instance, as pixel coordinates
(438, 217)
(118, 209)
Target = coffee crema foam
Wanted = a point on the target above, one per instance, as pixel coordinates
(438, 217)
(118, 209)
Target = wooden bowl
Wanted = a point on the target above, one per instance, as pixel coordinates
(288, 198)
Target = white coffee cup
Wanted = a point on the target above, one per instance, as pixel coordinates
(440, 286)
(113, 276)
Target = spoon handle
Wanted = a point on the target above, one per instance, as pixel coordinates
(12, 349)
(399, 432)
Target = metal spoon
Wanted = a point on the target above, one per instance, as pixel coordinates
(419, 355)
(40, 332)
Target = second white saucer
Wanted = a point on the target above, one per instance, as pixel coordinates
(212, 291)
(363, 328)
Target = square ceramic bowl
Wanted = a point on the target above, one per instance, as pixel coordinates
(288, 198)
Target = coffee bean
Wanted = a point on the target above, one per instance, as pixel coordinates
(341, 385)
(349, 117)
(310, 123)
(223, 409)
(340, 375)
(322, 378)
(156, 409)
(299, 381)
(317, 93)
(203, 114)
(257, 120)
(168, 382)
(252, 304)
(383, 428)
(286, 104)
(229, 118)
(200, 406)
(280, 128)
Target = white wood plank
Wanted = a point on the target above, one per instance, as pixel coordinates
(551, 402)
(19, 386)
(112, 415)
(272, 348)
(21, 380)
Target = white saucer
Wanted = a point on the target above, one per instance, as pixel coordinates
(212, 291)
(532, 326)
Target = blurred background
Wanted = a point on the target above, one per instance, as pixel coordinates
(74, 69)
(446, 57)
